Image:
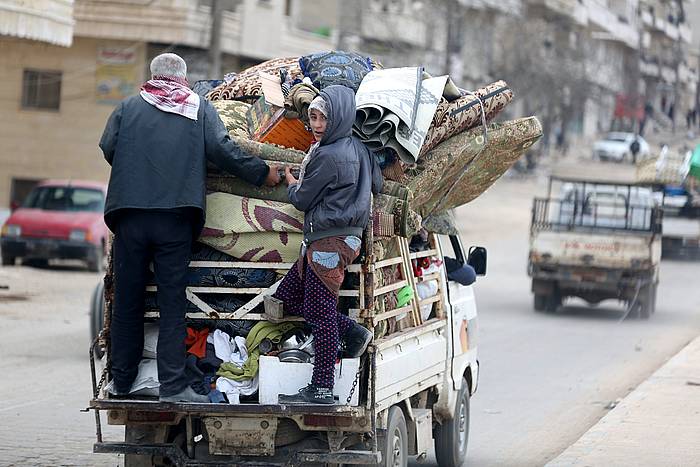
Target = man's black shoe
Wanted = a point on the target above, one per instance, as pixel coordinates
(357, 338)
(310, 395)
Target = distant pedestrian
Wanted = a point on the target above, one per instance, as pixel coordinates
(634, 149)
(158, 143)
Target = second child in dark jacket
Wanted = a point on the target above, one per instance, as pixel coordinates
(334, 189)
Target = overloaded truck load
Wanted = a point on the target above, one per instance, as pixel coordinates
(674, 177)
(438, 148)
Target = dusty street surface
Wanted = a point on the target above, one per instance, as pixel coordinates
(44, 334)
(545, 379)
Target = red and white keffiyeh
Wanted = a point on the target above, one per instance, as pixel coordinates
(171, 95)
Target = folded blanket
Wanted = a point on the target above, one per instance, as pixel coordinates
(464, 113)
(233, 114)
(235, 214)
(436, 171)
(507, 142)
(248, 83)
(264, 247)
(298, 100)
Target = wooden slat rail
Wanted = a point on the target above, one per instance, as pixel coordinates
(239, 264)
(433, 276)
(429, 300)
(390, 288)
(423, 254)
(390, 314)
(221, 290)
(221, 316)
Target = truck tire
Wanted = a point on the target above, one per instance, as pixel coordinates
(553, 301)
(394, 445)
(8, 260)
(95, 262)
(452, 437)
(540, 302)
(138, 434)
(647, 301)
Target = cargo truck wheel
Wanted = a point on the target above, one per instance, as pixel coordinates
(452, 437)
(540, 302)
(394, 445)
(138, 434)
(8, 260)
(646, 302)
(95, 262)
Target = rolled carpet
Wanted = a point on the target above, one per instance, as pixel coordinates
(464, 113)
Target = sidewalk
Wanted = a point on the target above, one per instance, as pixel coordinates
(657, 424)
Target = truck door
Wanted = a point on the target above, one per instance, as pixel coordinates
(462, 317)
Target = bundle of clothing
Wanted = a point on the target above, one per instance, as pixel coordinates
(223, 359)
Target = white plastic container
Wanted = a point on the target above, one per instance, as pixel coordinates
(287, 378)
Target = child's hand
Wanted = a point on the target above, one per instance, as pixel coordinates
(289, 177)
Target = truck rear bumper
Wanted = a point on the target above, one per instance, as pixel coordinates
(590, 278)
(178, 457)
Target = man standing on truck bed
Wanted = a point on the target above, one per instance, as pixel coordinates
(158, 144)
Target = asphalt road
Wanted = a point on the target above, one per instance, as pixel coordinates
(545, 379)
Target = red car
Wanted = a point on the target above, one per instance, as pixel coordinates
(60, 219)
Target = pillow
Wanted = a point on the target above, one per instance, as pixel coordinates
(335, 67)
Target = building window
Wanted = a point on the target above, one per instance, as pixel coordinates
(41, 89)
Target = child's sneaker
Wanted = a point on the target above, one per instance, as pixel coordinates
(310, 395)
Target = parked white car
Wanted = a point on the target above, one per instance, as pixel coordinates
(616, 147)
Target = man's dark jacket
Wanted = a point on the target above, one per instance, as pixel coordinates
(159, 159)
(340, 177)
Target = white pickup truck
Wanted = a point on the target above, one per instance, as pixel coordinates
(411, 392)
(596, 240)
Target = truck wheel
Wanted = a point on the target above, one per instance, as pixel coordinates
(394, 445)
(646, 302)
(138, 434)
(553, 301)
(540, 302)
(452, 437)
(8, 260)
(95, 261)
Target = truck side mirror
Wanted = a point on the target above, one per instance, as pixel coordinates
(477, 259)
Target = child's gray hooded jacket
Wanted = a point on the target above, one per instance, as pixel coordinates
(340, 175)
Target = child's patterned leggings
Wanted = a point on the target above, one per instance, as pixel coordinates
(311, 299)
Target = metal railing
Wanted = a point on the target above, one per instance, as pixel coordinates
(556, 214)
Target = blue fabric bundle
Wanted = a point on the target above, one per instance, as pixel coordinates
(335, 67)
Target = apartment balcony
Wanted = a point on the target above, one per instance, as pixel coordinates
(166, 22)
(649, 66)
(573, 10)
(612, 27)
(503, 6)
(247, 31)
(668, 74)
(395, 26)
(685, 33)
(40, 20)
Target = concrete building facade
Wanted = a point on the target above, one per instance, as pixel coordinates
(64, 65)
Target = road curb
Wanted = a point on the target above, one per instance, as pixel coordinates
(657, 424)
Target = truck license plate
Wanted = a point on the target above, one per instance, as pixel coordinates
(241, 436)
